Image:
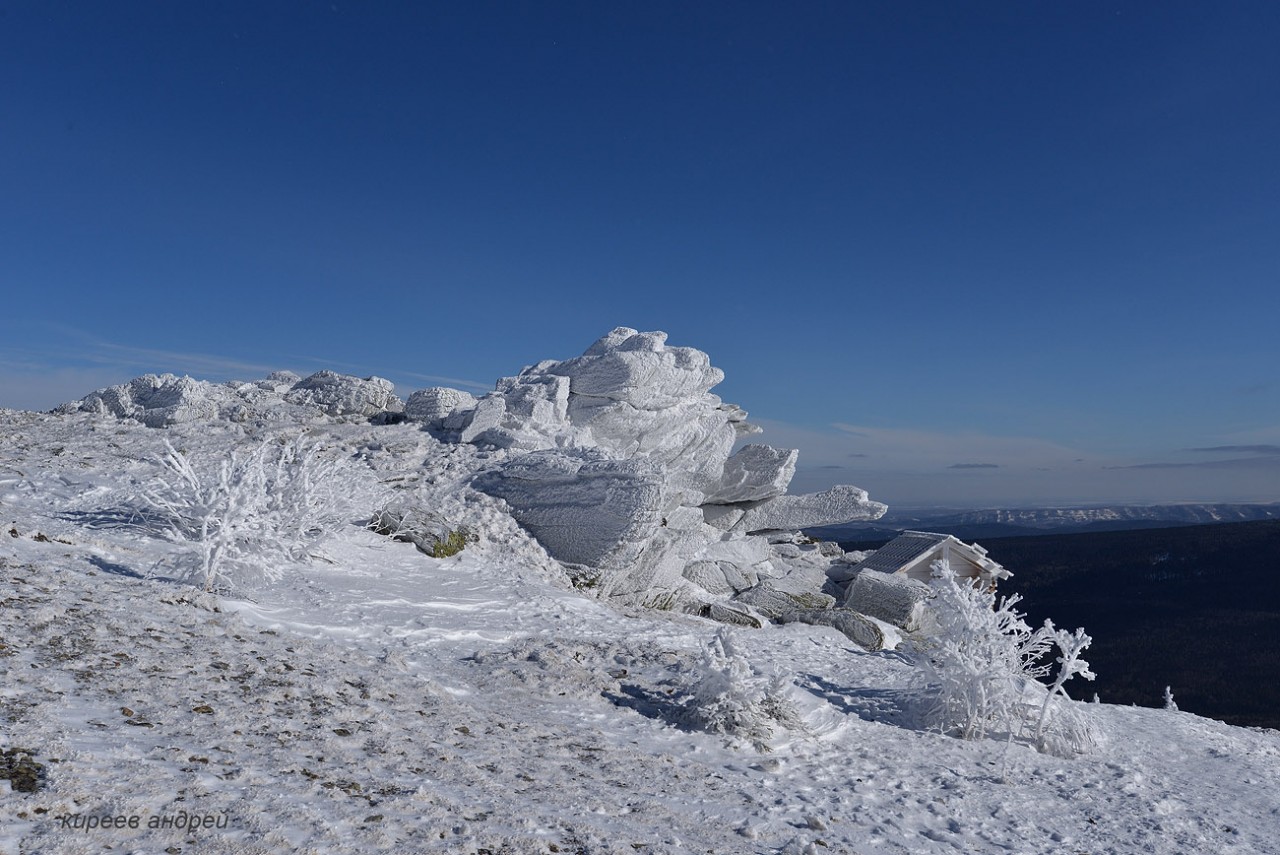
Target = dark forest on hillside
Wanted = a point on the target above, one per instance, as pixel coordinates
(1196, 608)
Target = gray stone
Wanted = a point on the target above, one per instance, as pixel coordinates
(736, 617)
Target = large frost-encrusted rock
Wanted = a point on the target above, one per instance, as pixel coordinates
(583, 508)
(640, 370)
(890, 597)
(855, 626)
(691, 439)
(159, 400)
(755, 472)
(527, 412)
(278, 381)
(675, 526)
(770, 598)
(343, 395)
(842, 503)
(434, 406)
(629, 396)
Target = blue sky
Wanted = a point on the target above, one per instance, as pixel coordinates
(957, 253)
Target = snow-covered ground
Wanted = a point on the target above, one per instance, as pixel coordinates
(375, 699)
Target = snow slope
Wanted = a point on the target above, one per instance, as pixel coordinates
(375, 699)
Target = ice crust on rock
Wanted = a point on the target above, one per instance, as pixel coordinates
(164, 400)
(755, 472)
(583, 508)
(343, 395)
(437, 405)
(639, 369)
(841, 503)
(890, 597)
(159, 400)
(632, 398)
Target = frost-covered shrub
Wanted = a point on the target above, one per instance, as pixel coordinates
(249, 515)
(983, 663)
(727, 696)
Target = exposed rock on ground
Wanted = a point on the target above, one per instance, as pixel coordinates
(892, 598)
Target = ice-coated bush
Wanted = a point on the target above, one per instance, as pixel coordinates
(249, 515)
(727, 696)
(983, 663)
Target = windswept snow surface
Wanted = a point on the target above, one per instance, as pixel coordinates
(379, 700)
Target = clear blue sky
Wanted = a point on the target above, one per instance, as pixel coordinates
(970, 253)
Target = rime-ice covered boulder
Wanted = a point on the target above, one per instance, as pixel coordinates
(890, 597)
(629, 396)
(855, 626)
(771, 599)
(428, 530)
(278, 381)
(672, 523)
(434, 407)
(583, 508)
(639, 369)
(159, 400)
(842, 503)
(755, 472)
(724, 578)
(343, 395)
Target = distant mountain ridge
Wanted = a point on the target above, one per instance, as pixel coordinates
(1015, 522)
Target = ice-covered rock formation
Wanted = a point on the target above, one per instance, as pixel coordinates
(166, 399)
(621, 462)
(583, 507)
(159, 400)
(622, 459)
(436, 407)
(342, 395)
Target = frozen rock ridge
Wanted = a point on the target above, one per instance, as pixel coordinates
(620, 462)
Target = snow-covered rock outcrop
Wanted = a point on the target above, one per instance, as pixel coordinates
(620, 462)
(158, 400)
(622, 459)
(342, 395)
(166, 399)
(437, 407)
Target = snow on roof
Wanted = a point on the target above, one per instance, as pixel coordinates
(911, 545)
(903, 549)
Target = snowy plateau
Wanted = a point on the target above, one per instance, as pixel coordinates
(572, 615)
